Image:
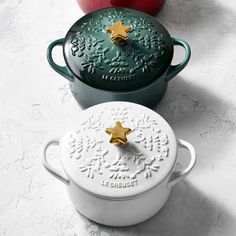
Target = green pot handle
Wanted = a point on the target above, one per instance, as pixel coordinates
(174, 70)
(62, 70)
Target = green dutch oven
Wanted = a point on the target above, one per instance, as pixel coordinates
(118, 54)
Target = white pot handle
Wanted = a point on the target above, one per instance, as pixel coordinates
(46, 164)
(176, 176)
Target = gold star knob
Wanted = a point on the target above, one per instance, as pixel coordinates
(118, 134)
(118, 32)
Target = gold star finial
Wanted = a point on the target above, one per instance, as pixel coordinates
(118, 134)
(118, 32)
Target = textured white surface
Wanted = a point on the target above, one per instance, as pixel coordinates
(36, 104)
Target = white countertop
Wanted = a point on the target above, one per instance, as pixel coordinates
(36, 104)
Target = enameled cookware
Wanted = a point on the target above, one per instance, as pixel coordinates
(151, 7)
(119, 160)
(118, 54)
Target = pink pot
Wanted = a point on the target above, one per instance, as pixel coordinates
(151, 7)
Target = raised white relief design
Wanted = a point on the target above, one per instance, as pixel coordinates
(79, 144)
(93, 123)
(118, 168)
(155, 142)
(119, 114)
(94, 158)
(93, 165)
(143, 164)
(136, 158)
(147, 167)
(144, 122)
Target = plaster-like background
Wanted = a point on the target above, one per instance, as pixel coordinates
(36, 104)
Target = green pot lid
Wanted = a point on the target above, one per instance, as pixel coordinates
(118, 49)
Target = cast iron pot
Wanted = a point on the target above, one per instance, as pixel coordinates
(118, 54)
(151, 7)
(119, 160)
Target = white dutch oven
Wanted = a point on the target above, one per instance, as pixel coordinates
(115, 176)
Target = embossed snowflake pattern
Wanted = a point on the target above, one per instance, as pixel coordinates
(118, 64)
(116, 15)
(146, 63)
(155, 142)
(147, 167)
(148, 41)
(140, 24)
(135, 55)
(121, 171)
(94, 24)
(95, 59)
(136, 158)
(93, 165)
(118, 168)
(91, 64)
(119, 114)
(93, 123)
(100, 53)
(151, 141)
(144, 122)
(80, 43)
(148, 141)
(81, 144)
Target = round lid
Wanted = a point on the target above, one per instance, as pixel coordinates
(118, 150)
(118, 49)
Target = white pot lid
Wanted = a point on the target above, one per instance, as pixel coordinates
(111, 171)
